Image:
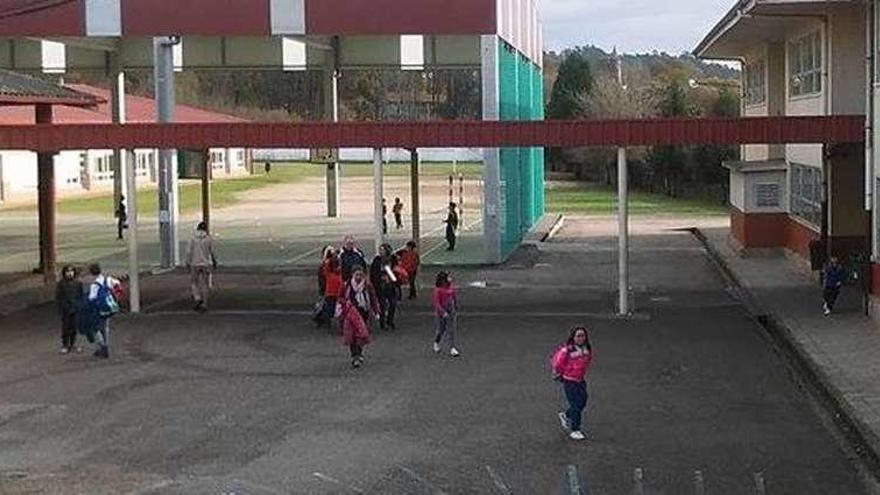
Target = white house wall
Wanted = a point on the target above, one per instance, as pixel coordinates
(806, 154)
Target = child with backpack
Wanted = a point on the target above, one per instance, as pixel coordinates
(102, 305)
(68, 298)
(358, 306)
(446, 312)
(571, 363)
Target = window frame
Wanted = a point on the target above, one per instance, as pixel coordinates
(805, 56)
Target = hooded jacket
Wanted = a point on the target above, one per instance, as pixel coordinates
(201, 250)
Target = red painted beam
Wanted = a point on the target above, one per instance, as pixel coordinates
(462, 134)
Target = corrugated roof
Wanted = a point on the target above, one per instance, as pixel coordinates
(138, 110)
(21, 89)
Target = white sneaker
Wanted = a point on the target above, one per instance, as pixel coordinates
(563, 420)
(454, 352)
(576, 435)
(826, 310)
(64, 350)
(436, 347)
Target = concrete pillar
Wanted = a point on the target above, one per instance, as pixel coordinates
(492, 213)
(623, 232)
(134, 286)
(415, 196)
(46, 202)
(331, 113)
(163, 53)
(378, 194)
(117, 110)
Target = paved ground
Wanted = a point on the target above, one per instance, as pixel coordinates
(251, 399)
(841, 349)
(280, 225)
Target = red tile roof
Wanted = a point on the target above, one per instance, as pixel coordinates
(138, 110)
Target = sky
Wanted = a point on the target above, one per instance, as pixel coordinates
(673, 26)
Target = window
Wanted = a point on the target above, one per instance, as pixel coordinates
(805, 65)
(806, 193)
(755, 83)
(768, 195)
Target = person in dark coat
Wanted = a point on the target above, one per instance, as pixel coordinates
(350, 258)
(385, 283)
(451, 226)
(69, 297)
(121, 218)
(834, 278)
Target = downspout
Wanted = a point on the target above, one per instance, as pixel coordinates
(870, 46)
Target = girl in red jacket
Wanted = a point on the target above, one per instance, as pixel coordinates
(571, 364)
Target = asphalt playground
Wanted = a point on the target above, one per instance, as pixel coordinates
(250, 398)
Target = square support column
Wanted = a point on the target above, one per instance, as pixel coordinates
(378, 194)
(46, 202)
(492, 213)
(331, 113)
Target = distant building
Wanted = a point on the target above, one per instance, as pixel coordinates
(87, 171)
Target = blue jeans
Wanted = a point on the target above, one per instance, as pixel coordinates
(576, 393)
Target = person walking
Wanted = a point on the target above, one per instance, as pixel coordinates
(451, 226)
(410, 261)
(384, 217)
(385, 283)
(332, 288)
(69, 296)
(121, 218)
(833, 279)
(571, 364)
(102, 306)
(200, 260)
(350, 258)
(326, 254)
(397, 210)
(445, 312)
(358, 307)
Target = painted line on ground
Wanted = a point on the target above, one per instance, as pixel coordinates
(498, 482)
(334, 481)
(574, 484)
(283, 312)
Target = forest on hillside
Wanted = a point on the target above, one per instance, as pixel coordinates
(589, 83)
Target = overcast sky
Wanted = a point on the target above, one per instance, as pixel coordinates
(672, 26)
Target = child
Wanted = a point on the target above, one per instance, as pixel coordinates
(397, 210)
(446, 312)
(332, 288)
(69, 296)
(834, 277)
(571, 364)
(410, 261)
(358, 306)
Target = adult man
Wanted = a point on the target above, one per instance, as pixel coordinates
(351, 257)
(200, 260)
(121, 218)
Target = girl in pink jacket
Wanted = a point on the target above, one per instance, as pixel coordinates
(446, 312)
(571, 364)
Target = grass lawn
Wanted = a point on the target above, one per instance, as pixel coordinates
(593, 199)
(226, 192)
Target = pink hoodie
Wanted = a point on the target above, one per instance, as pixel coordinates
(444, 300)
(572, 365)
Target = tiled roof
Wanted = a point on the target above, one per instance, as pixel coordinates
(21, 89)
(138, 110)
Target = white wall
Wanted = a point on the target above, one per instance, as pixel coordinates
(806, 154)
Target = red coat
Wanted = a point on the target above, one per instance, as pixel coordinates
(410, 260)
(332, 283)
(356, 331)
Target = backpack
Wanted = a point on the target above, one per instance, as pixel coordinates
(106, 302)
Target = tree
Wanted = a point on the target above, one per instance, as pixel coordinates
(574, 82)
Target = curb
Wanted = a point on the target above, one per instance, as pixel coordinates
(861, 438)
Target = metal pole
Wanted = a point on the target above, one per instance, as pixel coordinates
(415, 196)
(117, 110)
(378, 195)
(134, 285)
(46, 202)
(461, 198)
(207, 172)
(623, 232)
(331, 112)
(163, 53)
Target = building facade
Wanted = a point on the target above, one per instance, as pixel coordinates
(798, 59)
